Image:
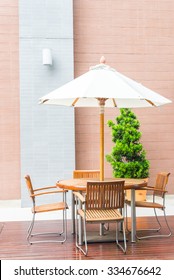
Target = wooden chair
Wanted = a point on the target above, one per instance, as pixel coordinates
(59, 206)
(86, 174)
(78, 174)
(159, 190)
(101, 204)
(91, 174)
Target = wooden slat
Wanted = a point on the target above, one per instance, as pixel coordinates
(86, 174)
(105, 195)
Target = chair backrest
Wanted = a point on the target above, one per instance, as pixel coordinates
(105, 195)
(161, 183)
(86, 174)
(29, 186)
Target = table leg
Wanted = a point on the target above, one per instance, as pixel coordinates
(73, 212)
(101, 229)
(133, 216)
(80, 226)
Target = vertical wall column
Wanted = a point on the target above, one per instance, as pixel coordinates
(47, 132)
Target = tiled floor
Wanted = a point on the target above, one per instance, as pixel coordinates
(12, 211)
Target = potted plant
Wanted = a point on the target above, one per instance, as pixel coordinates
(128, 158)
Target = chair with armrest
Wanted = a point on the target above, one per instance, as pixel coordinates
(59, 206)
(101, 204)
(159, 190)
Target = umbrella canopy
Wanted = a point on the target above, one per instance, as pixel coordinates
(102, 86)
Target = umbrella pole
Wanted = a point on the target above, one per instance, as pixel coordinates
(101, 143)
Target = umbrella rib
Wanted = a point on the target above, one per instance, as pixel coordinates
(75, 101)
(115, 105)
(150, 102)
(45, 100)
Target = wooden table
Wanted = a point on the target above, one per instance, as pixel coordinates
(130, 184)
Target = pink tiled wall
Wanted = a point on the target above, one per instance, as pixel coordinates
(9, 101)
(136, 37)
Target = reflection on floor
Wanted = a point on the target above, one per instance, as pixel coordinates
(14, 245)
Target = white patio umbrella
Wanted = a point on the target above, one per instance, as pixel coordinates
(102, 86)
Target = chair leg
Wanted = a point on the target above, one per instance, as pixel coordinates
(158, 229)
(63, 224)
(85, 250)
(127, 229)
(64, 228)
(30, 229)
(157, 235)
(124, 237)
(152, 229)
(165, 217)
(106, 227)
(30, 234)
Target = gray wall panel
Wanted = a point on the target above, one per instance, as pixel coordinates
(47, 132)
(46, 18)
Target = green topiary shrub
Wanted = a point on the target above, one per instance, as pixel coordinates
(128, 158)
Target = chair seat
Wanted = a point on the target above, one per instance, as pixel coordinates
(50, 207)
(101, 215)
(146, 204)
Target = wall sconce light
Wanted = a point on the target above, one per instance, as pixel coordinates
(46, 57)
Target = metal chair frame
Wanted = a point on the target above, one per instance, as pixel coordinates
(59, 206)
(160, 191)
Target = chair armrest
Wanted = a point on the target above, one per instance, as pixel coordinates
(79, 196)
(149, 188)
(42, 193)
(45, 188)
(162, 191)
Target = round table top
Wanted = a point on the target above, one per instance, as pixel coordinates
(80, 184)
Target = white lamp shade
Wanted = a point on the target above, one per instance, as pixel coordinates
(46, 57)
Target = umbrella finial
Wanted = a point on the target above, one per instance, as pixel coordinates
(102, 60)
